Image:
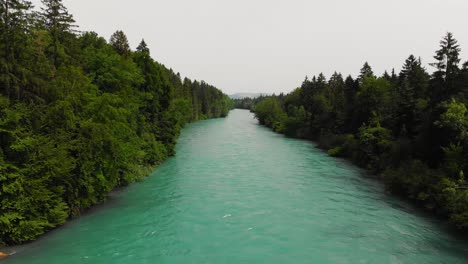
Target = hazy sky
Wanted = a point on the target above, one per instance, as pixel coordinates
(271, 45)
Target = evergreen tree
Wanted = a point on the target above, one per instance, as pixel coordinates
(119, 42)
(337, 98)
(59, 23)
(351, 89)
(462, 82)
(415, 77)
(386, 76)
(14, 25)
(447, 56)
(366, 71)
(411, 95)
(447, 61)
(143, 48)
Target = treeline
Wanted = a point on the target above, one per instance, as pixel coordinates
(246, 103)
(80, 116)
(410, 128)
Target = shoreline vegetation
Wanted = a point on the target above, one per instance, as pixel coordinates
(81, 116)
(410, 128)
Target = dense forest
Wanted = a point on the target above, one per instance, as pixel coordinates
(80, 116)
(410, 128)
(246, 103)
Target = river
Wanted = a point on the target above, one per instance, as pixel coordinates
(238, 193)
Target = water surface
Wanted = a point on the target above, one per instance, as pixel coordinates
(238, 193)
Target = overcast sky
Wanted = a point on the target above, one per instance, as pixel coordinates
(271, 45)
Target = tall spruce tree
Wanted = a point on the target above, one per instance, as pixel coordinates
(119, 42)
(411, 93)
(59, 22)
(337, 98)
(366, 71)
(447, 61)
(14, 26)
(143, 47)
(415, 75)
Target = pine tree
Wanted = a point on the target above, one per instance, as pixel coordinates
(447, 60)
(14, 25)
(410, 62)
(337, 98)
(119, 41)
(415, 76)
(366, 71)
(394, 76)
(143, 47)
(463, 82)
(412, 88)
(386, 76)
(351, 88)
(406, 90)
(447, 56)
(59, 22)
(321, 82)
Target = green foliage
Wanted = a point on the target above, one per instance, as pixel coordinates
(295, 119)
(454, 118)
(336, 151)
(373, 98)
(374, 142)
(455, 161)
(80, 117)
(14, 24)
(270, 114)
(413, 179)
(411, 127)
(366, 72)
(444, 84)
(119, 42)
(244, 103)
(59, 24)
(411, 98)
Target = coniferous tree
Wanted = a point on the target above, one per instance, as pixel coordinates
(143, 47)
(14, 26)
(386, 76)
(336, 95)
(321, 82)
(366, 71)
(59, 23)
(119, 41)
(462, 82)
(411, 94)
(447, 61)
(447, 56)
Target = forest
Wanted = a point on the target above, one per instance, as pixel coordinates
(81, 116)
(409, 128)
(246, 103)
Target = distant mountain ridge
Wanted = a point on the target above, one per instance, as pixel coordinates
(245, 95)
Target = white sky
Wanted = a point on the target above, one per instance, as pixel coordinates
(271, 45)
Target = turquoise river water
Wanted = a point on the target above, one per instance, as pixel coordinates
(239, 193)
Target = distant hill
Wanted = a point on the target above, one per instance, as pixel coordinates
(244, 95)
